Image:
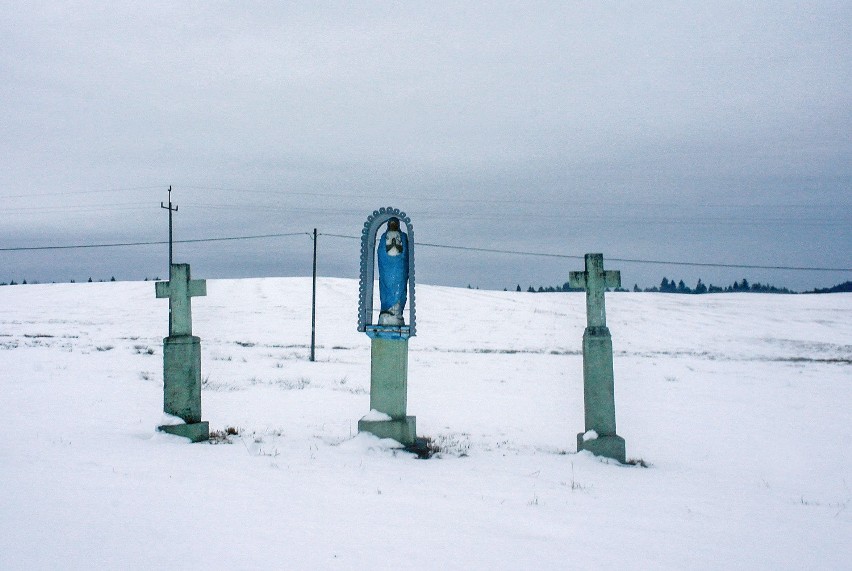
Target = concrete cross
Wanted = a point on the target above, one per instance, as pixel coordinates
(599, 437)
(179, 289)
(595, 281)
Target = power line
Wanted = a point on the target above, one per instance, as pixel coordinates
(644, 220)
(432, 245)
(71, 192)
(66, 207)
(123, 244)
(717, 265)
(572, 202)
(455, 199)
(625, 260)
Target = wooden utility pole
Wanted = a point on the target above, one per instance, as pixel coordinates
(314, 302)
(170, 209)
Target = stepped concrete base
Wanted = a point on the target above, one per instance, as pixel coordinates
(402, 430)
(607, 446)
(196, 432)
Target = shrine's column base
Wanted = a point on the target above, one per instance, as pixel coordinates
(389, 386)
(389, 376)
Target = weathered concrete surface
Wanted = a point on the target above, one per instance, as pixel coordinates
(179, 289)
(182, 355)
(182, 377)
(598, 381)
(595, 280)
(196, 432)
(599, 396)
(389, 376)
(402, 430)
(606, 446)
(598, 378)
(389, 391)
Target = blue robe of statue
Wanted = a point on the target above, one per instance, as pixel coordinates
(393, 276)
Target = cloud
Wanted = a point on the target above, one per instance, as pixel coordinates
(620, 122)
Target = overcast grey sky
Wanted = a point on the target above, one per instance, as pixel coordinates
(688, 131)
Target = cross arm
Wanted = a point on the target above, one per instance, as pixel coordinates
(162, 289)
(577, 280)
(612, 278)
(197, 288)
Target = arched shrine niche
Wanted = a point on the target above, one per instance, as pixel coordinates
(375, 222)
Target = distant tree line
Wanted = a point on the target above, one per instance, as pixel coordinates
(667, 286)
(24, 282)
(670, 286)
(845, 287)
(547, 289)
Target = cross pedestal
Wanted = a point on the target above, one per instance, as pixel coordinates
(598, 378)
(389, 384)
(182, 356)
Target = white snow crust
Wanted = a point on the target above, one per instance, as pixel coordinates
(375, 415)
(738, 403)
(170, 420)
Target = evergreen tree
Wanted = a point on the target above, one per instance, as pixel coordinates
(839, 288)
(667, 286)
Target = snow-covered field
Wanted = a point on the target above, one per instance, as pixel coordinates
(741, 405)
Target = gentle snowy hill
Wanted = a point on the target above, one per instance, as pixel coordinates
(739, 403)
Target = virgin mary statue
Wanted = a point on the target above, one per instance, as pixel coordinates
(393, 274)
